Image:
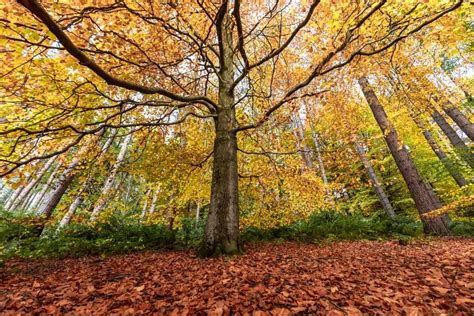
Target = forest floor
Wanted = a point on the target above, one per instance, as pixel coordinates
(342, 278)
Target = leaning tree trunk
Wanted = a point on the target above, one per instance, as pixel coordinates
(424, 197)
(61, 187)
(448, 164)
(460, 147)
(374, 181)
(108, 186)
(222, 225)
(460, 119)
(39, 198)
(15, 195)
(30, 186)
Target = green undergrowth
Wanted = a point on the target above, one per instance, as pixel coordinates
(20, 235)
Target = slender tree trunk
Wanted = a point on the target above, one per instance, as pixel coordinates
(198, 210)
(108, 186)
(16, 194)
(27, 189)
(145, 205)
(61, 187)
(424, 197)
(448, 164)
(222, 225)
(458, 144)
(460, 119)
(154, 200)
(298, 131)
(374, 181)
(73, 207)
(39, 198)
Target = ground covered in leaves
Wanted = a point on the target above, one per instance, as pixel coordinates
(343, 278)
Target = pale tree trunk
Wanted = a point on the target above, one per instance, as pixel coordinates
(39, 198)
(27, 205)
(374, 180)
(460, 147)
(16, 194)
(30, 186)
(145, 204)
(298, 131)
(79, 197)
(198, 210)
(222, 225)
(424, 197)
(108, 185)
(154, 200)
(73, 207)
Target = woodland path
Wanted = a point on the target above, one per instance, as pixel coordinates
(343, 278)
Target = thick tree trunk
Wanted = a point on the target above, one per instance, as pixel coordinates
(423, 195)
(458, 144)
(30, 186)
(460, 119)
(222, 225)
(374, 181)
(108, 185)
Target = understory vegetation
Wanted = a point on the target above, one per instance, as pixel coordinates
(20, 236)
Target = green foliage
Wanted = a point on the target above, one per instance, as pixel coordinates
(19, 235)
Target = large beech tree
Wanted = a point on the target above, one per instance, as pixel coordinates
(79, 67)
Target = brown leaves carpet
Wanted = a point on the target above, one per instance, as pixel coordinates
(342, 278)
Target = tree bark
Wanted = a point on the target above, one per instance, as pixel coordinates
(298, 131)
(145, 205)
(108, 186)
(448, 164)
(374, 181)
(460, 119)
(61, 187)
(424, 197)
(39, 198)
(27, 189)
(222, 226)
(458, 144)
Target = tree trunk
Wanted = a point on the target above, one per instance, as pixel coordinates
(298, 131)
(16, 194)
(458, 144)
(108, 186)
(448, 164)
(460, 119)
(374, 181)
(27, 189)
(61, 187)
(39, 198)
(424, 197)
(71, 210)
(154, 200)
(145, 205)
(222, 225)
